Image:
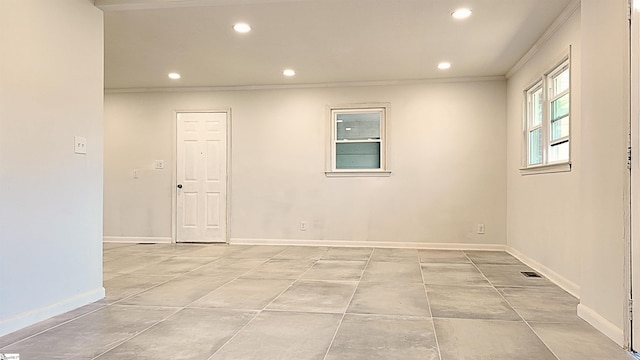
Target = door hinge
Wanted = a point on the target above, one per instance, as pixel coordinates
(630, 309)
(629, 157)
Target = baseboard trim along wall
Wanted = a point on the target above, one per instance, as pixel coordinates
(600, 323)
(33, 316)
(137, 239)
(568, 286)
(376, 244)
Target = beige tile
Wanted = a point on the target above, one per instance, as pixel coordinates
(283, 336)
(390, 299)
(384, 338)
(340, 253)
(453, 274)
(302, 252)
(188, 334)
(180, 291)
(467, 339)
(91, 335)
(338, 270)
(280, 269)
(316, 296)
(579, 341)
(469, 302)
(252, 294)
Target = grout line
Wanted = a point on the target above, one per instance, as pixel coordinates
(267, 305)
(335, 333)
(511, 306)
(426, 293)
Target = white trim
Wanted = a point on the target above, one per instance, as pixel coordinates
(355, 173)
(601, 324)
(376, 244)
(566, 284)
(345, 84)
(137, 239)
(546, 169)
(31, 317)
(564, 16)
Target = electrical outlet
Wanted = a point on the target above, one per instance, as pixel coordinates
(136, 173)
(480, 229)
(159, 164)
(303, 226)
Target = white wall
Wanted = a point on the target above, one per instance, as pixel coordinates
(604, 131)
(543, 210)
(50, 199)
(446, 154)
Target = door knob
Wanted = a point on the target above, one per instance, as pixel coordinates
(179, 186)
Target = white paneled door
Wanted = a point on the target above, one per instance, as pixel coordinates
(201, 194)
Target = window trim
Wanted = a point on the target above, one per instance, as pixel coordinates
(545, 82)
(330, 168)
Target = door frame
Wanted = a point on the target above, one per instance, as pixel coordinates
(632, 206)
(174, 172)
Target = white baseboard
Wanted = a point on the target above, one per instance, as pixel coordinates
(137, 239)
(376, 244)
(31, 317)
(603, 325)
(569, 286)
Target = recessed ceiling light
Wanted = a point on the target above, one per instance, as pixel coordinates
(242, 27)
(174, 76)
(444, 65)
(461, 13)
(289, 72)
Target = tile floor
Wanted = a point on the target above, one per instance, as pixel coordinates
(269, 302)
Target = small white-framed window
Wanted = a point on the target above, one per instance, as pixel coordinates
(358, 141)
(547, 121)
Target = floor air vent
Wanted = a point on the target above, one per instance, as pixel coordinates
(531, 274)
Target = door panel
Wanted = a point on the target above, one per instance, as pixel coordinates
(202, 172)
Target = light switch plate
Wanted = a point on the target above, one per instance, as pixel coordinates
(159, 164)
(80, 144)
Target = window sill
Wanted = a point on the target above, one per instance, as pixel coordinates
(546, 169)
(357, 173)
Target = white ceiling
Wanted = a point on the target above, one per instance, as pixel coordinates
(325, 41)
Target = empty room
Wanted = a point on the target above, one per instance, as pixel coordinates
(319, 179)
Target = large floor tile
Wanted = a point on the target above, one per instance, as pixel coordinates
(227, 267)
(280, 269)
(469, 303)
(283, 336)
(511, 275)
(180, 291)
(383, 254)
(213, 250)
(316, 296)
(579, 341)
(466, 339)
(335, 270)
(340, 253)
(129, 263)
(390, 299)
(395, 272)
(453, 274)
(443, 256)
(384, 338)
(492, 257)
(542, 304)
(125, 285)
(50, 323)
(175, 265)
(253, 294)
(302, 252)
(256, 252)
(92, 334)
(188, 334)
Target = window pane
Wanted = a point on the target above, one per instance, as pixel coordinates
(358, 155)
(536, 108)
(559, 152)
(358, 126)
(560, 107)
(535, 147)
(559, 128)
(561, 82)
